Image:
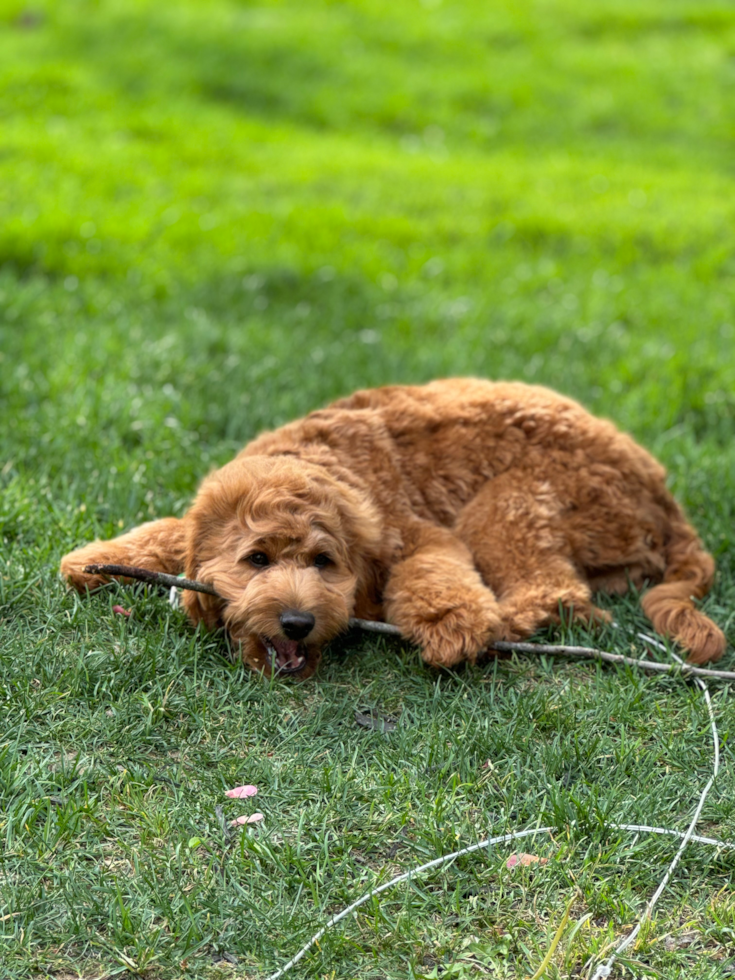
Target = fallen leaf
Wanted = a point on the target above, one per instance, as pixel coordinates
(376, 720)
(524, 860)
(120, 611)
(240, 821)
(238, 792)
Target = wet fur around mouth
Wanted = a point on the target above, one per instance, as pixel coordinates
(462, 511)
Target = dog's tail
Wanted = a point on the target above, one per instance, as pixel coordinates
(670, 606)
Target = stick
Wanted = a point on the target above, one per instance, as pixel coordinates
(686, 669)
(372, 627)
(614, 658)
(153, 578)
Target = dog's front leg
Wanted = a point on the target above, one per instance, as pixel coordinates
(159, 546)
(436, 597)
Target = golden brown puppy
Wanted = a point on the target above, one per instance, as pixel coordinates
(462, 511)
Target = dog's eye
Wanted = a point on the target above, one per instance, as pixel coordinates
(259, 559)
(321, 561)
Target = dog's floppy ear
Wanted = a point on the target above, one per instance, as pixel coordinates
(206, 522)
(201, 530)
(360, 526)
(368, 544)
(203, 608)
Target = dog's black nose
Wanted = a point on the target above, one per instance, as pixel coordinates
(296, 625)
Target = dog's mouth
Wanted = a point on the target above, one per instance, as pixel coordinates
(285, 656)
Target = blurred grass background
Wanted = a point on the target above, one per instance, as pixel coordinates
(217, 216)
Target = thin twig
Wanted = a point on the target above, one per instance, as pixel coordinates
(372, 627)
(685, 669)
(614, 658)
(406, 876)
(152, 578)
(446, 858)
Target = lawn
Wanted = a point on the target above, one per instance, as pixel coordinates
(217, 216)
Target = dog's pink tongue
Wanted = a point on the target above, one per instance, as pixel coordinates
(287, 654)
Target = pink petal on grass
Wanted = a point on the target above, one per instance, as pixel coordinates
(120, 611)
(240, 821)
(239, 791)
(524, 860)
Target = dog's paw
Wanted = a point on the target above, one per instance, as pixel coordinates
(72, 569)
(449, 635)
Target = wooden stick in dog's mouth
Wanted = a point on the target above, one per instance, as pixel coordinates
(161, 578)
(153, 578)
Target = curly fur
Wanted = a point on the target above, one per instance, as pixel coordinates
(463, 511)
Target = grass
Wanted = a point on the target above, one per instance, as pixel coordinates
(215, 217)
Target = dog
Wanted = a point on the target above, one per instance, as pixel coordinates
(462, 511)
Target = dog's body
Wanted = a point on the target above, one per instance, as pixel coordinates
(462, 511)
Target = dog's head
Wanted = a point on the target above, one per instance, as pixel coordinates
(288, 548)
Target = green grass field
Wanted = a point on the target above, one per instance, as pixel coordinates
(217, 216)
